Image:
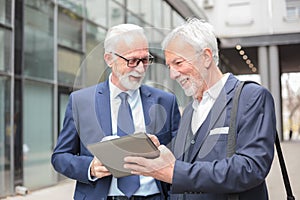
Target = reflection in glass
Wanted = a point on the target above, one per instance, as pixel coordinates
(177, 19)
(133, 19)
(96, 11)
(134, 6)
(146, 11)
(157, 13)
(5, 11)
(5, 50)
(69, 29)
(5, 135)
(158, 35)
(166, 15)
(38, 40)
(94, 65)
(119, 1)
(116, 14)
(75, 6)
(63, 101)
(38, 129)
(68, 65)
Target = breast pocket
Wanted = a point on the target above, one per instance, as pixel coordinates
(214, 146)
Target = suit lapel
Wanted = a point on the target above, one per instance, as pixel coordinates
(147, 102)
(184, 128)
(103, 106)
(155, 115)
(217, 115)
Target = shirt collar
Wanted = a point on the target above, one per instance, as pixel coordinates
(214, 91)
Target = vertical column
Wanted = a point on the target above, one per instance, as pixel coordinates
(12, 105)
(18, 92)
(263, 66)
(275, 85)
(55, 76)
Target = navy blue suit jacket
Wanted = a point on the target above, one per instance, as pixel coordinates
(72, 159)
(207, 173)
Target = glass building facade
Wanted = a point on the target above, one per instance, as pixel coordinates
(48, 48)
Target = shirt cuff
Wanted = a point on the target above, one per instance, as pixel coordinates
(91, 178)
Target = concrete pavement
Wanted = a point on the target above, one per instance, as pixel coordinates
(65, 189)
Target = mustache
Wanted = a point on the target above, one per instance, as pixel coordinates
(136, 74)
(180, 79)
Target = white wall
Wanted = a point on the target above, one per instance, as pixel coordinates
(239, 18)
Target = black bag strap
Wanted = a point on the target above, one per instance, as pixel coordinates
(232, 143)
(284, 173)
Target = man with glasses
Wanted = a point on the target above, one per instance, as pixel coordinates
(94, 113)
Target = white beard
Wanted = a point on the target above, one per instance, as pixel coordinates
(192, 89)
(129, 84)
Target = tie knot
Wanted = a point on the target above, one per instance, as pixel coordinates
(123, 96)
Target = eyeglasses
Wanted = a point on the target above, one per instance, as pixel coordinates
(134, 62)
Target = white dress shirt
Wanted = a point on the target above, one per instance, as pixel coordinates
(202, 108)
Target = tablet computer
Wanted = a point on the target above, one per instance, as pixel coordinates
(112, 152)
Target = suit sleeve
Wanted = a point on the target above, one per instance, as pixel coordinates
(249, 166)
(70, 157)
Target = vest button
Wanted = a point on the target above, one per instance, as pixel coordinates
(193, 142)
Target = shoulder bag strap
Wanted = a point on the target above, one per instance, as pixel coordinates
(231, 132)
(284, 173)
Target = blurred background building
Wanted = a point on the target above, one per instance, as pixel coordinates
(48, 48)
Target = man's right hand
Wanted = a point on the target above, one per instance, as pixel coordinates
(98, 169)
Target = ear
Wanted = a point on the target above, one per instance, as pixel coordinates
(108, 59)
(207, 57)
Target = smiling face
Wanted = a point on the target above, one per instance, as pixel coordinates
(187, 67)
(124, 77)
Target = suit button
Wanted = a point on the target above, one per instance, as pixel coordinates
(193, 142)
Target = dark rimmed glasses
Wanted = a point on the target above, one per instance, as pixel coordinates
(134, 62)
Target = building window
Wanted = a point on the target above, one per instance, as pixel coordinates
(239, 13)
(116, 13)
(166, 13)
(6, 132)
(5, 50)
(5, 12)
(68, 65)
(69, 29)
(73, 6)
(292, 9)
(70, 49)
(38, 129)
(96, 11)
(39, 40)
(94, 67)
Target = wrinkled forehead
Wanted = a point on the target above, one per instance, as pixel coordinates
(135, 43)
(178, 47)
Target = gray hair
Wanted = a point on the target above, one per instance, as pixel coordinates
(198, 33)
(122, 32)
